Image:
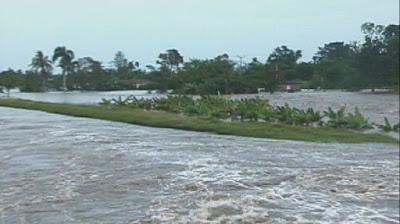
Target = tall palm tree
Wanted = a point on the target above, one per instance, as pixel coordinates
(66, 62)
(41, 64)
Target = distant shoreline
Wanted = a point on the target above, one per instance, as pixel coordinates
(366, 91)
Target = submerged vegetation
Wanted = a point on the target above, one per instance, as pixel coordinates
(195, 123)
(339, 119)
(371, 63)
(251, 110)
(388, 127)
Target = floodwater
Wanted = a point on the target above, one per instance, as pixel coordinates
(77, 97)
(375, 106)
(60, 169)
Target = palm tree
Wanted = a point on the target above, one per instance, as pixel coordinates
(65, 59)
(41, 64)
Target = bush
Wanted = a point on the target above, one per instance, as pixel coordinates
(248, 110)
(340, 119)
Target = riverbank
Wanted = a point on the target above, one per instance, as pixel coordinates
(169, 120)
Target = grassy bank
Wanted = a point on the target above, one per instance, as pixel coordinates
(177, 121)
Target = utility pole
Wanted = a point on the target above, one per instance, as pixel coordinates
(241, 62)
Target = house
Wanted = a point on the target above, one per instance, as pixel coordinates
(291, 86)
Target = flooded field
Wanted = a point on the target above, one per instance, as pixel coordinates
(59, 169)
(375, 106)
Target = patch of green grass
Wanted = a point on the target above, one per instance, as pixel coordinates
(170, 120)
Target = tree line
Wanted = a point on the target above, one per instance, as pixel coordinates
(371, 63)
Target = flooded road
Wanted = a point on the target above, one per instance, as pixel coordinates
(59, 169)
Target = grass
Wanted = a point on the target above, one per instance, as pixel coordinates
(170, 120)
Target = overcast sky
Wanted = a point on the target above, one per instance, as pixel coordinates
(198, 29)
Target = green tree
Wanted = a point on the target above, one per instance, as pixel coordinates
(336, 74)
(260, 75)
(208, 76)
(391, 54)
(378, 56)
(41, 64)
(9, 80)
(120, 62)
(133, 65)
(335, 66)
(284, 56)
(302, 71)
(124, 67)
(334, 51)
(170, 60)
(371, 61)
(90, 75)
(88, 64)
(66, 62)
(32, 82)
(282, 61)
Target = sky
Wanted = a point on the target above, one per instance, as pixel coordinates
(198, 29)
